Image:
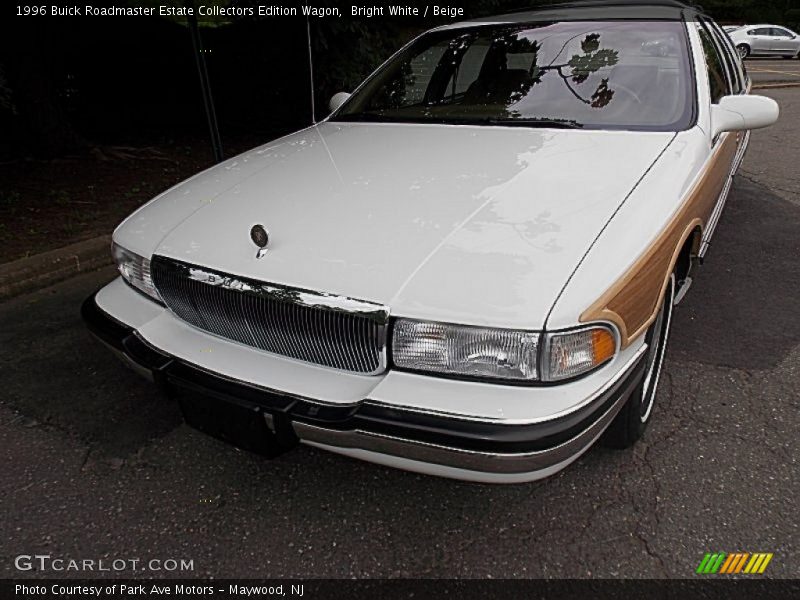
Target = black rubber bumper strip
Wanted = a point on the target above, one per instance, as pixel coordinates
(175, 375)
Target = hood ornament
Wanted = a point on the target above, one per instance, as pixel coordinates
(260, 237)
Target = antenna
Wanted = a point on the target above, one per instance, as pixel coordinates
(311, 71)
(205, 84)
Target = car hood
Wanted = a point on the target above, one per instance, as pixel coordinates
(479, 225)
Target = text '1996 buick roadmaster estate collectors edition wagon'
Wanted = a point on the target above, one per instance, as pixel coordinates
(469, 268)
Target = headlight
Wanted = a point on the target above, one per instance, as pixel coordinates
(135, 270)
(465, 351)
(502, 354)
(572, 353)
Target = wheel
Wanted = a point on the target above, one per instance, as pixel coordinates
(631, 422)
(744, 50)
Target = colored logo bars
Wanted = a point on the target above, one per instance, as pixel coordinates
(738, 562)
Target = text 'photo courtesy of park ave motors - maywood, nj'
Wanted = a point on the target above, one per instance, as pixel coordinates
(261, 10)
(158, 589)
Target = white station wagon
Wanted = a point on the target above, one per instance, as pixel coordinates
(469, 268)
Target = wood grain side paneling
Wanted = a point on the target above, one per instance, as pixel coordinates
(632, 302)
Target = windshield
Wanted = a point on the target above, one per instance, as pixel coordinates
(594, 75)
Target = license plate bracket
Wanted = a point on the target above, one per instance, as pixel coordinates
(245, 425)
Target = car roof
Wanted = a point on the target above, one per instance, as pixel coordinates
(594, 10)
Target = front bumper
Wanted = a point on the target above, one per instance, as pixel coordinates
(441, 444)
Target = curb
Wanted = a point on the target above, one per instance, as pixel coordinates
(40, 270)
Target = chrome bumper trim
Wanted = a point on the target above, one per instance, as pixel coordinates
(457, 458)
(486, 462)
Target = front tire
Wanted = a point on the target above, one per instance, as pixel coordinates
(743, 50)
(629, 425)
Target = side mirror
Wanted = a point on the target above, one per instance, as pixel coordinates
(337, 100)
(739, 113)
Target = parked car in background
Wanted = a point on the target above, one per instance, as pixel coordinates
(469, 268)
(766, 40)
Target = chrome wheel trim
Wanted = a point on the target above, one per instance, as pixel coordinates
(655, 354)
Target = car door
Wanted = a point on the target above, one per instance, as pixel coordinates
(783, 41)
(760, 40)
(724, 79)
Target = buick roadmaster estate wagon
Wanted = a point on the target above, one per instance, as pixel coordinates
(469, 268)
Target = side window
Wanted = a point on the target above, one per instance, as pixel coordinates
(716, 68)
(777, 32)
(732, 61)
(763, 31)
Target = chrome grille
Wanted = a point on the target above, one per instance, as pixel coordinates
(334, 331)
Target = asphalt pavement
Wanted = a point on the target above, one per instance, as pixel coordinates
(96, 465)
(768, 70)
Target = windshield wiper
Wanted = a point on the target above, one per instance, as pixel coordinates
(366, 117)
(533, 122)
(452, 120)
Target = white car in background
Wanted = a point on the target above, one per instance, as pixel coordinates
(765, 40)
(469, 268)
